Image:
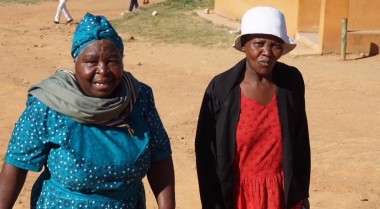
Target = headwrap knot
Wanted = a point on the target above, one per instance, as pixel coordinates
(97, 33)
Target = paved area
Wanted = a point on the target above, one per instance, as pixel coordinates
(219, 20)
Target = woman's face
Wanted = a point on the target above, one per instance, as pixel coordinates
(262, 52)
(99, 68)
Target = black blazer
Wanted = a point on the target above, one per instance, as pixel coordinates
(216, 135)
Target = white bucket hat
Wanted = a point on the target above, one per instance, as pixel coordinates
(265, 20)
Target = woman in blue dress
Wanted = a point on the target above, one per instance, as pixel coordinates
(95, 133)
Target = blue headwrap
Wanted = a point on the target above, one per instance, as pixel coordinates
(92, 28)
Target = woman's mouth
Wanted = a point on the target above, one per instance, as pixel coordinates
(102, 84)
(266, 62)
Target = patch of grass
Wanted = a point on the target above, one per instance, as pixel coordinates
(21, 1)
(187, 4)
(175, 23)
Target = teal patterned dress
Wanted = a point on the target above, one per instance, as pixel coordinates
(88, 166)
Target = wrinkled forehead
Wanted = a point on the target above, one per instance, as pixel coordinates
(248, 37)
(104, 46)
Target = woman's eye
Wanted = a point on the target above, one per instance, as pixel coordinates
(92, 62)
(113, 62)
(277, 46)
(258, 44)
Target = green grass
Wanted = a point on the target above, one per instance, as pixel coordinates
(21, 1)
(176, 23)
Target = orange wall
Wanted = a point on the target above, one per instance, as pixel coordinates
(331, 24)
(320, 16)
(309, 11)
(364, 15)
(363, 42)
(234, 9)
(364, 24)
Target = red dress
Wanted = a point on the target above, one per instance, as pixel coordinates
(259, 178)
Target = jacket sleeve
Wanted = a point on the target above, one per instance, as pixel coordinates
(209, 185)
(302, 145)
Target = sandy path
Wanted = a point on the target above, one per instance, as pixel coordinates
(343, 102)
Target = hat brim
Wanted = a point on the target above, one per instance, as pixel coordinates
(288, 45)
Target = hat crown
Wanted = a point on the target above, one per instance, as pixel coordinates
(264, 20)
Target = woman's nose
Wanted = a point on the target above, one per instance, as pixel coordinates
(102, 68)
(267, 49)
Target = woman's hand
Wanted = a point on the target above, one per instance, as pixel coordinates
(11, 181)
(161, 180)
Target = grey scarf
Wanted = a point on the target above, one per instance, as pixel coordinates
(62, 93)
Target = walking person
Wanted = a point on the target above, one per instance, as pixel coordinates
(95, 132)
(252, 142)
(62, 9)
(133, 4)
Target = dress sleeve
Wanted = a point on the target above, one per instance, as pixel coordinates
(28, 148)
(159, 140)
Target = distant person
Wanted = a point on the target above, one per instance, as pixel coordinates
(134, 4)
(252, 141)
(95, 132)
(62, 8)
(146, 2)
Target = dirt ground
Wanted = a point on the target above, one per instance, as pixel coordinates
(343, 102)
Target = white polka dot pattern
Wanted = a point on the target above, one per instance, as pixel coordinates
(88, 159)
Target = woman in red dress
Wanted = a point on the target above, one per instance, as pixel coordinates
(252, 141)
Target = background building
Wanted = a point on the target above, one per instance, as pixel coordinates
(318, 23)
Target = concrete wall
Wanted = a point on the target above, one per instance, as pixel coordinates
(365, 42)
